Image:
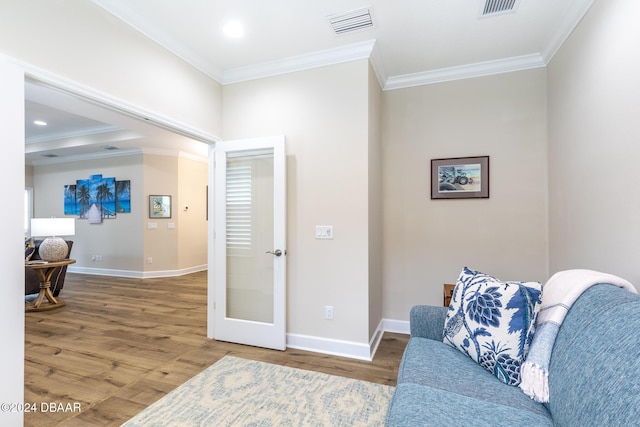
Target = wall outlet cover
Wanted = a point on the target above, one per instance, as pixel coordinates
(324, 231)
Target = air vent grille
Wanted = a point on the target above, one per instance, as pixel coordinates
(351, 21)
(492, 7)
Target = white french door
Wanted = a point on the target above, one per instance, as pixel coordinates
(249, 268)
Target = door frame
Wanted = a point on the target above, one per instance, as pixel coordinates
(263, 335)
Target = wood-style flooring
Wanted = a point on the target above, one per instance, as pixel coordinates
(120, 344)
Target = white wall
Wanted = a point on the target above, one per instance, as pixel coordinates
(324, 115)
(427, 242)
(11, 261)
(594, 124)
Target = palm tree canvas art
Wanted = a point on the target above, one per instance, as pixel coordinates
(97, 198)
(123, 196)
(70, 200)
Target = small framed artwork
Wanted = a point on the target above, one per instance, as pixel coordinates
(460, 178)
(159, 206)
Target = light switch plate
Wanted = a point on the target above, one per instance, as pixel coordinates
(324, 231)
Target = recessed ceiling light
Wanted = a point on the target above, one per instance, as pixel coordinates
(233, 29)
(39, 123)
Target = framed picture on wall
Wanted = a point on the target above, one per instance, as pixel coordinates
(460, 178)
(159, 206)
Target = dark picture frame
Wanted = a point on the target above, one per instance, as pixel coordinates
(159, 206)
(460, 178)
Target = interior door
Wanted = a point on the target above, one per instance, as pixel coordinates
(249, 242)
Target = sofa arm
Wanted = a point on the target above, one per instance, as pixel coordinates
(427, 321)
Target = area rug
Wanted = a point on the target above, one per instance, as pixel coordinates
(241, 392)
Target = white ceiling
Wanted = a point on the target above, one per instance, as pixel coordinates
(411, 42)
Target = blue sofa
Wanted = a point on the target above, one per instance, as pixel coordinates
(594, 372)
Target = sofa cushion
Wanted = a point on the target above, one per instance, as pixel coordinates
(421, 405)
(439, 366)
(593, 371)
(493, 322)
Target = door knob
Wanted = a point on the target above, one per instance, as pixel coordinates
(277, 252)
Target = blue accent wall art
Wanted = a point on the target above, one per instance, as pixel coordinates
(97, 198)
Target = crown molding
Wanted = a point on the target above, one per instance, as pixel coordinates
(85, 157)
(97, 130)
(480, 69)
(378, 65)
(174, 153)
(119, 153)
(293, 64)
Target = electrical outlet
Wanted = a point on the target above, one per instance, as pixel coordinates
(328, 312)
(324, 232)
(149, 260)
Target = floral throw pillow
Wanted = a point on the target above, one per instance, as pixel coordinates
(493, 322)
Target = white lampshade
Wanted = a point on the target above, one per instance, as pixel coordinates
(53, 248)
(46, 227)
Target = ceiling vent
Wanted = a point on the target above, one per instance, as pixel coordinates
(49, 156)
(356, 20)
(495, 7)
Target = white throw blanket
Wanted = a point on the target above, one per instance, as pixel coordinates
(558, 294)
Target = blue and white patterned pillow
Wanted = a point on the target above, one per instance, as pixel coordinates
(493, 322)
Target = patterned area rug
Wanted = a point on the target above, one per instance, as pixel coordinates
(241, 392)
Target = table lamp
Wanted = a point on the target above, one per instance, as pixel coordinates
(53, 247)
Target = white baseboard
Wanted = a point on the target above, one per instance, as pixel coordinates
(374, 342)
(353, 350)
(396, 326)
(135, 274)
(349, 349)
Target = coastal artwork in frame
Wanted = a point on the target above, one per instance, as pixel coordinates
(159, 206)
(460, 178)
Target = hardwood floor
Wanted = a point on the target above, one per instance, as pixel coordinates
(120, 344)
